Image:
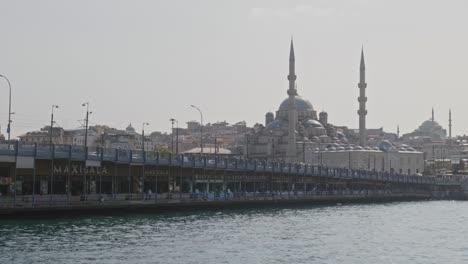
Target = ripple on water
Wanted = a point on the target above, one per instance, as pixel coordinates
(413, 232)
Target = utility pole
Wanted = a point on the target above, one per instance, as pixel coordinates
(172, 134)
(216, 144)
(177, 137)
(143, 135)
(247, 146)
(201, 128)
(52, 124)
(86, 123)
(9, 109)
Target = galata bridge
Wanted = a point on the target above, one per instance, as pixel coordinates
(42, 177)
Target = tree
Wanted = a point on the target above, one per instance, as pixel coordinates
(163, 149)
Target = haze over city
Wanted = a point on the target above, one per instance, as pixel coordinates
(137, 61)
(215, 131)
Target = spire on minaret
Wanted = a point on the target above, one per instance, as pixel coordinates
(450, 123)
(432, 117)
(362, 99)
(292, 71)
(291, 50)
(363, 65)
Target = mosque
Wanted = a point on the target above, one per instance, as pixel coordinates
(296, 134)
(308, 130)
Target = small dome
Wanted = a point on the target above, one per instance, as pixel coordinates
(130, 128)
(276, 124)
(385, 145)
(310, 123)
(340, 135)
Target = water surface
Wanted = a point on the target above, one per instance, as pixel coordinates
(405, 232)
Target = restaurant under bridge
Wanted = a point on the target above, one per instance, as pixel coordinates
(32, 174)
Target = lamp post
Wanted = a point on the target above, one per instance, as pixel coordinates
(201, 128)
(52, 124)
(86, 125)
(9, 109)
(177, 136)
(247, 146)
(143, 135)
(216, 144)
(172, 134)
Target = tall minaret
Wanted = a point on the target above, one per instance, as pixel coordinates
(292, 111)
(362, 99)
(398, 131)
(432, 117)
(450, 123)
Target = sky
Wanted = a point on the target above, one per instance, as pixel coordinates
(148, 61)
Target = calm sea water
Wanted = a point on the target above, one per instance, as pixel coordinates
(409, 232)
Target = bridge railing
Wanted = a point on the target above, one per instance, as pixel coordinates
(62, 151)
(26, 149)
(21, 148)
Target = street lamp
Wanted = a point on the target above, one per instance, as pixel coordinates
(86, 125)
(9, 108)
(172, 135)
(201, 128)
(143, 135)
(177, 137)
(52, 123)
(247, 146)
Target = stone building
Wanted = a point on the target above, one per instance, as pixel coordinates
(428, 129)
(296, 133)
(385, 157)
(305, 131)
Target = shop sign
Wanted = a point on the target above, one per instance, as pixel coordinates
(79, 170)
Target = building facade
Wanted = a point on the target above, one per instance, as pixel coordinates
(296, 133)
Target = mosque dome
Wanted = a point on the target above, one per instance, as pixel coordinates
(276, 124)
(312, 123)
(429, 125)
(385, 145)
(130, 128)
(429, 128)
(301, 104)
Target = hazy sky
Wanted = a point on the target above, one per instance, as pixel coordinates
(147, 61)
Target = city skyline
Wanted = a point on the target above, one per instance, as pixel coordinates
(141, 70)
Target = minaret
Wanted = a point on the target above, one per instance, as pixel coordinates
(398, 131)
(450, 123)
(292, 110)
(432, 118)
(362, 112)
